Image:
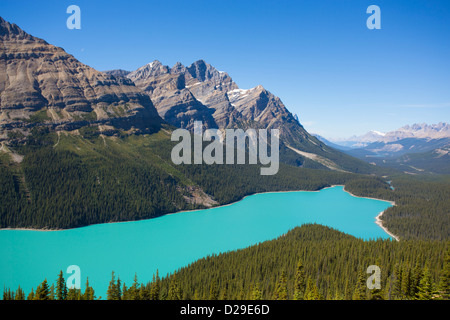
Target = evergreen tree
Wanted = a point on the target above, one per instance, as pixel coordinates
(89, 293)
(20, 295)
(311, 292)
(397, 289)
(281, 288)
(74, 294)
(155, 288)
(425, 291)
(42, 291)
(407, 285)
(299, 282)
(213, 294)
(224, 292)
(134, 289)
(256, 292)
(416, 276)
(31, 295)
(174, 289)
(61, 288)
(8, 294)
(444, 282)
(113, 292)
(360, 288)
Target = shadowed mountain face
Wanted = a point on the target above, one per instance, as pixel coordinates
(42, 83)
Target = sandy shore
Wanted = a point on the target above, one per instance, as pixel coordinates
(378, 220)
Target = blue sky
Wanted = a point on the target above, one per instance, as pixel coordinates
(318, 56)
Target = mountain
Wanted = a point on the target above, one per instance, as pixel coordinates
(200, 92)
(42, 84)
(416, 131)
(434, 161)
(413, 148)
(331, 144)
(419, 131)
(80, 147)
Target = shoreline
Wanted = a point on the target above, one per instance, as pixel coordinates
(378, 220)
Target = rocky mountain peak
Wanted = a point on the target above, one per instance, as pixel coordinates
(9, 30)
(41, 84)
(203, 71)
(152, 69)
(178, 68)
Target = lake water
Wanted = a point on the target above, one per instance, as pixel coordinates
(172, 241)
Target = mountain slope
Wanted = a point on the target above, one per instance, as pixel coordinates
(41, 83)
(199, 92)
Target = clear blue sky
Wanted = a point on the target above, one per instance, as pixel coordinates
(318, 55)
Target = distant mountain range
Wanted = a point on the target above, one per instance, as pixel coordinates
(417, 131)
(417, 147)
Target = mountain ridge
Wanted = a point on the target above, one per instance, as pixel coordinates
(41, 84)
(200, 92)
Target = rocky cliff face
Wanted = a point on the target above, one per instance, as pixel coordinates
(199, 92)
(41, 83)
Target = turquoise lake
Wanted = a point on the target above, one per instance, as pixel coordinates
(175, 240)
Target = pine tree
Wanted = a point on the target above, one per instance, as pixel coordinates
(113, 292)
(31, 295)
(118, 288)
(311, 291)
(256, 292)
(425, 291)
(444, 281)
(360, 288)
(416, 276)
(174, 289)
(8, 294)
(61, 288)
(213, 294)
(134, 289)
(280, 292)
(144, 293)
(125, 292)
(42, 291)
(89, 292)
(74, 294)
(20, 295)
(223, 292)
(155, 288)
(406, 284)
(397, 290)
(299, 282)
